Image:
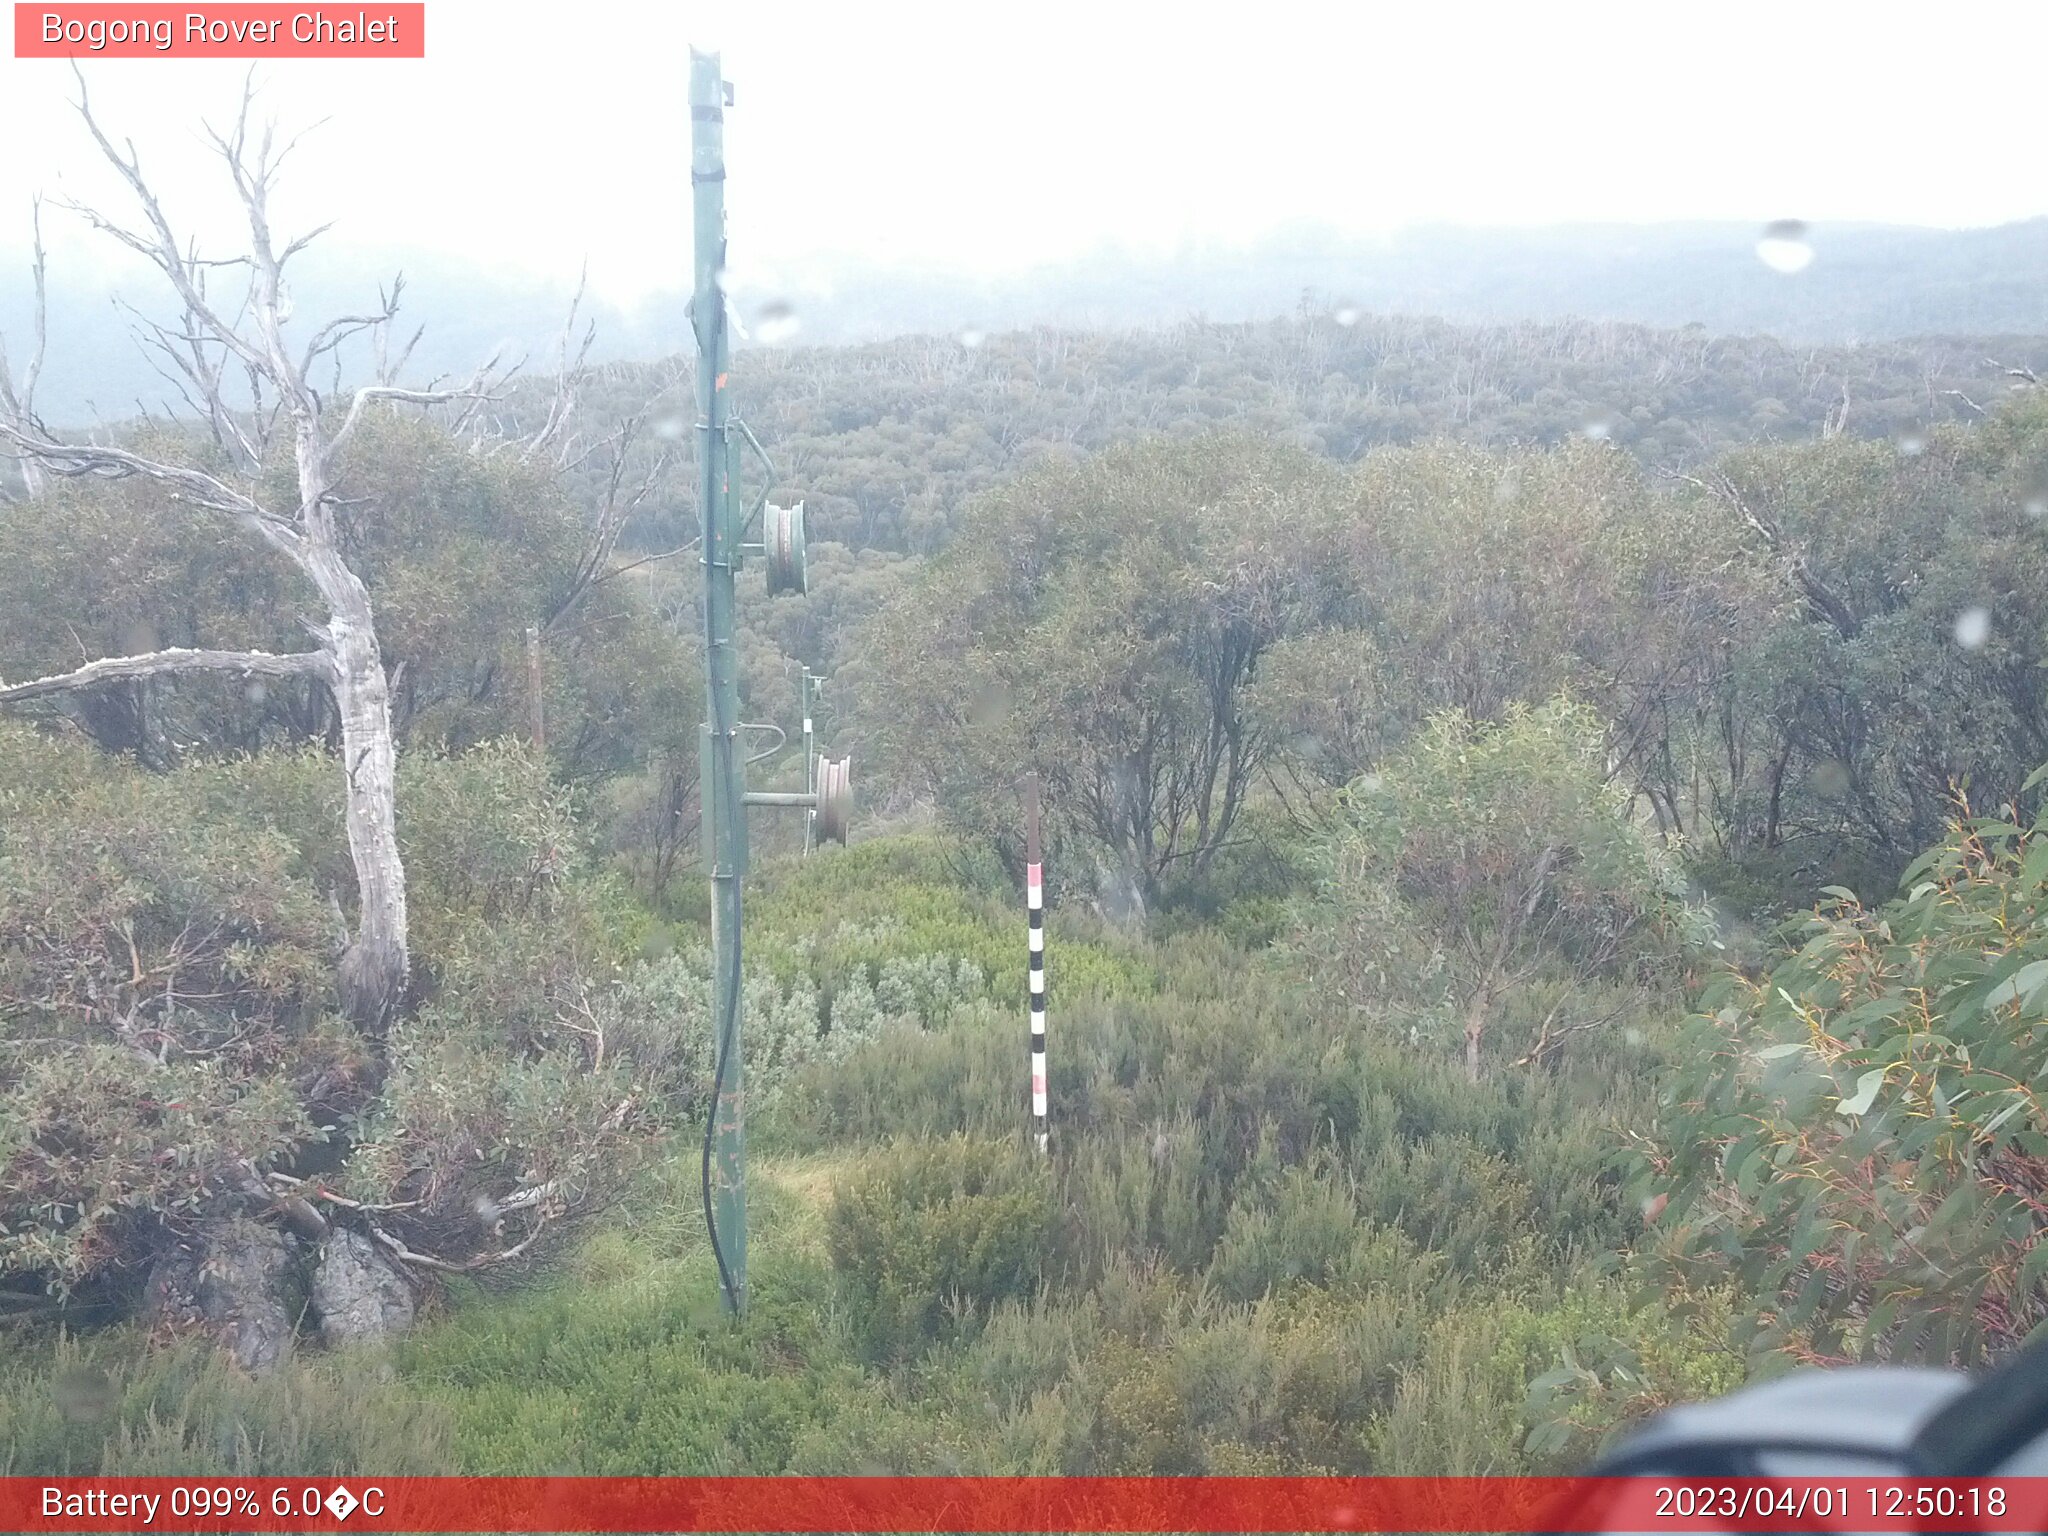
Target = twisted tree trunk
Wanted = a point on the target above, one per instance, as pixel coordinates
(377, 961)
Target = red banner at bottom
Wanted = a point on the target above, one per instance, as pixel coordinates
(1022, 1504)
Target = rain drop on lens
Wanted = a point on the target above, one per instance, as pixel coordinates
(991, 706)
(669, 428)
(83, 1394)
(1784, 246)
(970, 339)
(2034, 494)
(776, 322)
(1598, 430)
(1912, 444)
(1973, 628)
(1346, 316)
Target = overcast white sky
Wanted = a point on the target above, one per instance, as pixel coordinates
(993, 134)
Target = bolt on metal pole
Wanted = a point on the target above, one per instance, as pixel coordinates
(720, 781)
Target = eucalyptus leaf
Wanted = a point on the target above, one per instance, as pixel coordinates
(1778, 1052)
(2021, 986)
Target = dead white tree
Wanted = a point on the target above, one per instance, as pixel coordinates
(18, 395)
(245, 341)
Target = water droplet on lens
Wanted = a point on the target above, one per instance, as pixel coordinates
(1973, 628)
(2033, 490)
(1347, 315)
(775, 322)
(1307, 746)
(1598, 430)
(668, 428)
(971, 338)
(1912, 443)
(1784, 246)
(1831, 777)
(991, 705)
(83, 1393)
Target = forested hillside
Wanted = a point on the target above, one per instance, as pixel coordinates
(1508, 789)
(1866, 283)
(887, 440)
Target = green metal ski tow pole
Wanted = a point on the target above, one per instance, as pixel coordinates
(720, 776)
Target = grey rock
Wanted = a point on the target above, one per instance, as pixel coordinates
(235, 1279)
(359, 1295)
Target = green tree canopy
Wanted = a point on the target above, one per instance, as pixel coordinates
(1479, 860)
(461, 554)
(1097, 625)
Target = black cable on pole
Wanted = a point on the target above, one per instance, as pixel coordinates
(727, 1032)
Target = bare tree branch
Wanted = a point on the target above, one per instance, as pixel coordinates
(634, 565)
(194, 487)
(1547, 1042)
(477, 389)
(159, 663)
(570, 372)
(526, 1199)
(399, 1251)
(1822, 598)
(315, 1191)
(594, 566)
(389, 367)
(161, 245)
(294, 247)
(335, 332)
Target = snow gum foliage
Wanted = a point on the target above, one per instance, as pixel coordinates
(165, 981)
(1478, 866)
(1859, 1136)
(1097, 623)
(166, 959)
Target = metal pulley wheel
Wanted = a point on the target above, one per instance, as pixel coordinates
(782, 538)
(835, 798)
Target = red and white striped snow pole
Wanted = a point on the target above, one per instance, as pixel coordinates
(1034, 905)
